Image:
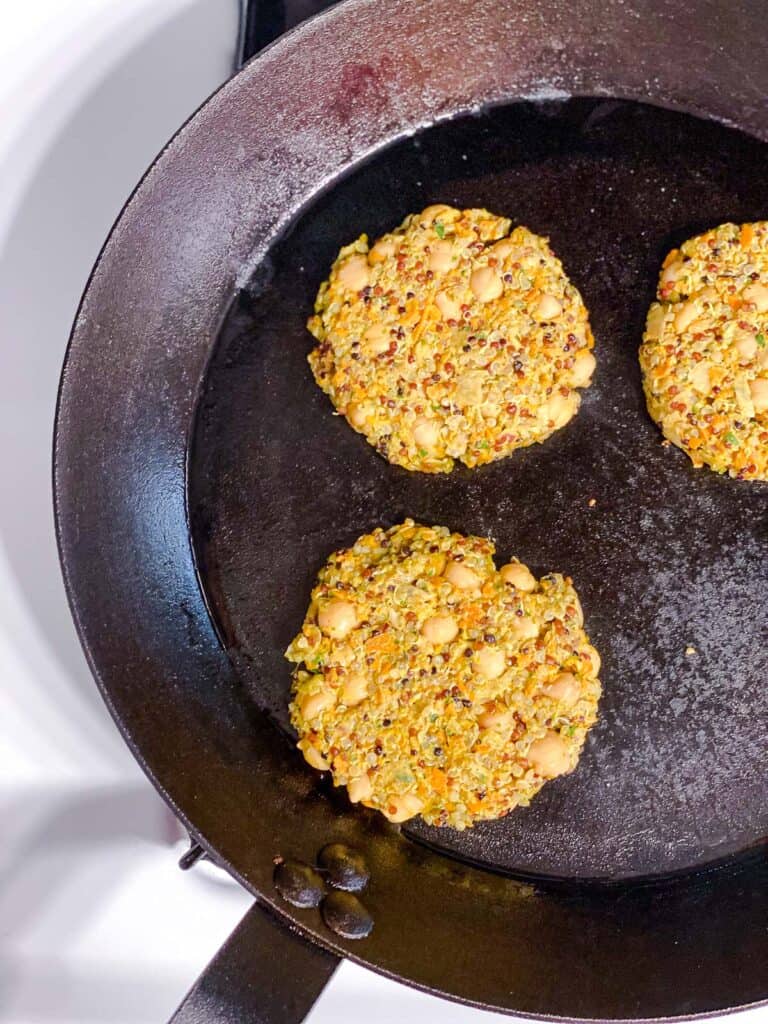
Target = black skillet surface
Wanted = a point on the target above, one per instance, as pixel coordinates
(668, 558)
(301, 116)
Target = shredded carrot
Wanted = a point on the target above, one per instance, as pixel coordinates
(381, 644)
(670, 257)
(473, 615)
(746, 236)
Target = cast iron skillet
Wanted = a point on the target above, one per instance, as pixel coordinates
(201, 480)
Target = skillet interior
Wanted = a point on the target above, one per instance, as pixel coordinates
(673, 776)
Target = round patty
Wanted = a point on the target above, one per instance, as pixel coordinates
(429, 682)
(704, 355)
(451, 338)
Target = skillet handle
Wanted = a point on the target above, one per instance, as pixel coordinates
(263, 974)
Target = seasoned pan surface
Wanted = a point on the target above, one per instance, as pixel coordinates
(666, 558)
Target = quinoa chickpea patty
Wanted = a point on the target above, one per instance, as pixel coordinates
(704, 355)
(429, 682)
(451, 338)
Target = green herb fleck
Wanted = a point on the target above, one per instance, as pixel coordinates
(731, 439)
(760, 339)
(422, 453)
(570, 730)
(484, 444)
(440, 229)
